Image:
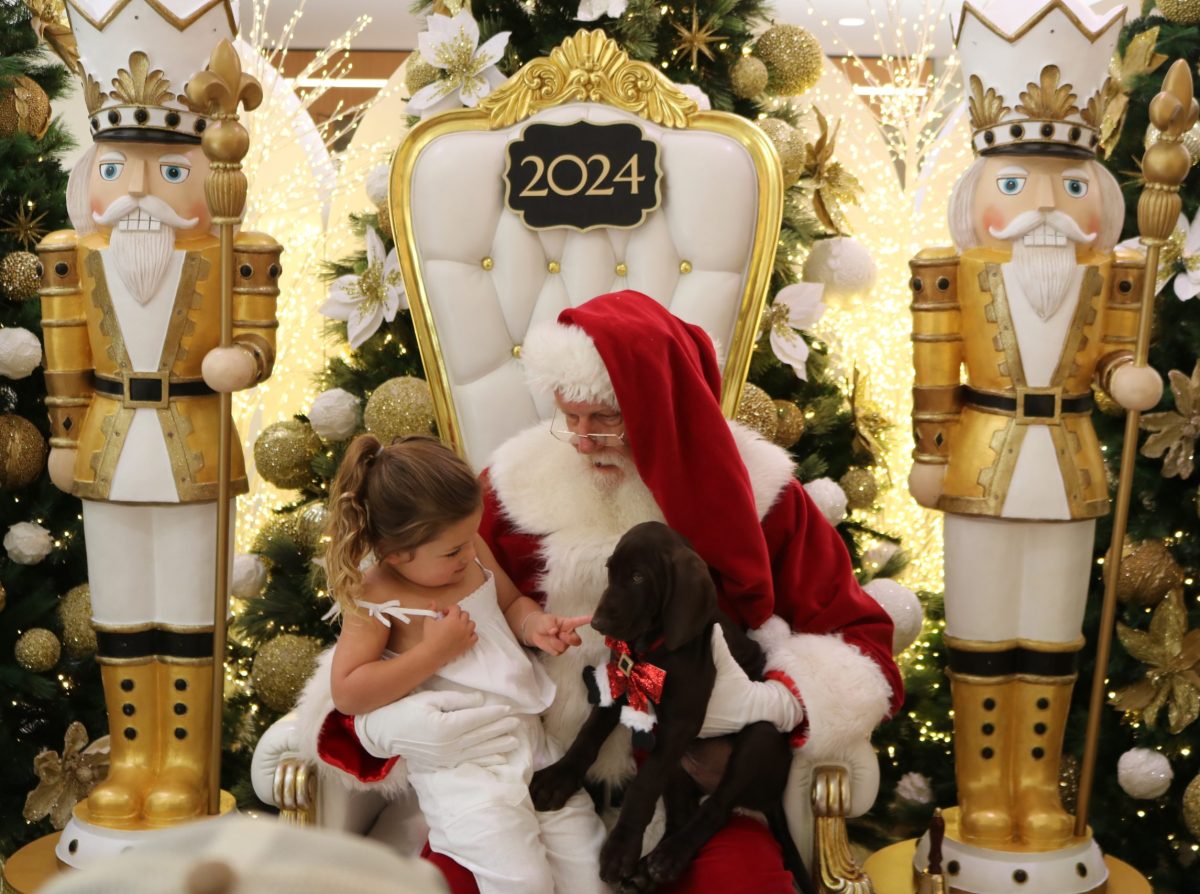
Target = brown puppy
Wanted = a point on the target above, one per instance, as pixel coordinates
(662, 603)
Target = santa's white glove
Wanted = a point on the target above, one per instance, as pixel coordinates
(436, 729)
(737, 701)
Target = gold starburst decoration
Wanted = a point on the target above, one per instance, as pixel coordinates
(868, 423)
(1047, 101)
(1172, 679)
(832, 185)
(1175, 431)
(66, 780)
(25, 227)
(697, 39)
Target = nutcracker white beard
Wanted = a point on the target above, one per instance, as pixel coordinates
(1043, 256)
(142, 241)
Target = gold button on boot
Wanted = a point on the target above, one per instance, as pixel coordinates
(131, 701)
(1040, 721)
(982, 758)
(181, 790)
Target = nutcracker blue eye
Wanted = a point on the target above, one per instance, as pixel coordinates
(1010, 186)
(111, 170)
(174, 173)
(1075, 188)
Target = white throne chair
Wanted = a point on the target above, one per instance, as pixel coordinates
(478, 277)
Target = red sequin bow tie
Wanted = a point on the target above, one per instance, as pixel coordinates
(639, 681)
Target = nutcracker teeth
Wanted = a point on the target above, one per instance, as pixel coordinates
(140, 221)
(1045, 235)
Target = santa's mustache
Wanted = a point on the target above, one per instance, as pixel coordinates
(153, 207)
(1027, 221)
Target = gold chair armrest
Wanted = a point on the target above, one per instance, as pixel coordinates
(834, 868)
(296, 792)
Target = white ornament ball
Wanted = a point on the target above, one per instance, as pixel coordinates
(903, 606)
(249, 575)
(1144, 774)
(27, 543)
(696, 95)
(335, 415)
(377, 184)
(830, 499)
(843, 265)
(20, 352)
(915, 787)
(877, 557)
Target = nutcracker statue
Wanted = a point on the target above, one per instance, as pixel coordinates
(135, 370)
(1036, 309)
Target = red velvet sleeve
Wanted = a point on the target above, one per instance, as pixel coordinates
(815, 587)
(518, 553)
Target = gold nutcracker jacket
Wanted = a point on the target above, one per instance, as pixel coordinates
(92, 390)
(976, 426)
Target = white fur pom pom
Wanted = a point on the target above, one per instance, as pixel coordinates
(1144, 774)
(27, 543)
(903, 606)
(830, 499)
(249, 575)
(335, 414)
(20, 352)
(843, 265)
(377, 184)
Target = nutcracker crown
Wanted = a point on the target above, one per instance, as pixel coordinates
(136, 56)
(1037, 75)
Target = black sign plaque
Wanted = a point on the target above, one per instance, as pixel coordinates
(582, 176)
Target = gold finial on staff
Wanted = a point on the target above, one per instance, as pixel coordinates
(217, 92)
(1165, 166)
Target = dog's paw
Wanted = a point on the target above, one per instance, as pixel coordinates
(639, 883)
(665, 863)
(552, 786)
(619, 856)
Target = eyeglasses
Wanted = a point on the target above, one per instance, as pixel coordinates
(558, 428)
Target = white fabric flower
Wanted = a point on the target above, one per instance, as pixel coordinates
(830, 499)
(1177, 242)
(452, 44)
(20, 352)
(696, 95)
(1187, 284)
(364, 302)
(249, 575)
(1144, 774)
(335, 414)
(590, 10)
(915, 787)
(27, 543)
(797, 306)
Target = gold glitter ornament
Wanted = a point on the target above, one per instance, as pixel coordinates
(757, 411)
(419, 73)
(310, 523)
(860, 487)
(20, 275)
(1171, 654)
(791, 425)
(385, 220)
(37, 650)
(790, 146)
(64, 781)
(398, 407)
(1174, 432)
(1191, 141)
(1105, 404)
(793, 58)
(22, 452)
(1148, 573)
(75, 613)
(282, 667)
(24, 108)
(283, 453)
(1068, 782)
(1191, 807)
(1182, 12)
(281, 526)
(749, 77)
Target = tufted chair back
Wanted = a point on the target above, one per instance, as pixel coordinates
(478, 277)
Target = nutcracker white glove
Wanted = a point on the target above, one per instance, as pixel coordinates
(436, 729)
(737, 701)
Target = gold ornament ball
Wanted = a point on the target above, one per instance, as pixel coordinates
(282, 667)
(1182, 12)
(790, 428)
(310, 523)
(757, 411)
(37, 650)
(398, 407)
(1148, 573)
(24, 108)
(1191, 807)
(75, 612)
(284, 526)
(861, 488)
(749, 76)
(790, 146)
(22, 452)
(20, 275)
(419, 73)
(793, 58)
(283, 453)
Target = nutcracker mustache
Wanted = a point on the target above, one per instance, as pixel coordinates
(1052, 228)
(143, 242)
(142, 214)
(1044, 256)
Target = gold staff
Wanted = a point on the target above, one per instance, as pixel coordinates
(217, 92)
(1164, 167)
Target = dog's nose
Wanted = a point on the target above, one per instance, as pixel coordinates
(602, 624)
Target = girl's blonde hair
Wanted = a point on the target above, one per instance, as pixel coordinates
(391, 499)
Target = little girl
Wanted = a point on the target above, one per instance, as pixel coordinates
(436, 612)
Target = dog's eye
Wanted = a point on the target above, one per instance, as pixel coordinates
(637, 577)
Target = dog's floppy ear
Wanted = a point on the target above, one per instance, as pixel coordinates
(690, 601)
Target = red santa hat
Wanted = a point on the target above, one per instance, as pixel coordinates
(627, 350)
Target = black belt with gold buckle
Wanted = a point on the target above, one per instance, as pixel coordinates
(149, 389)
(1034, 405)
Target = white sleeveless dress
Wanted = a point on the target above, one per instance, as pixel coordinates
(482, 816)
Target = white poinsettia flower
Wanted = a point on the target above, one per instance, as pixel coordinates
(1187, 284)
(590, 10)
(1175, 249)
(797, 306)
(452, 44)
(364, 302)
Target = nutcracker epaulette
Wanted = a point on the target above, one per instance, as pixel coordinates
(934, 278)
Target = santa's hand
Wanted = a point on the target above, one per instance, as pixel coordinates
(229, 369)
(437, 729)
(925, 483)
(737, 701)
(1135, 387)
(61, 466)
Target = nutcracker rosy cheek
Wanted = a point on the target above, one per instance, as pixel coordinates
(992, 218)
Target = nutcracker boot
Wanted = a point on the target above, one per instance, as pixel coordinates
(1040, 712)
(131, 701)
(983, 757)
(181, 790)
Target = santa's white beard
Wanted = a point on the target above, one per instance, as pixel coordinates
(141, 258)
(1045, 273)
(608, 470)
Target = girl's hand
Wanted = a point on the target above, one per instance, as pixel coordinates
(450, 635)
(552, 633)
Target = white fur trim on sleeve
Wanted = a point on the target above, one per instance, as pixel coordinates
(845, 693)
(642, 721)
(564, 359)
(600, 678)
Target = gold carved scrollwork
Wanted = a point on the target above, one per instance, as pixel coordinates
(1047, 101)
(588, 67)
(139, 85)
(835, 869)
(296, 792)
(987, 108)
